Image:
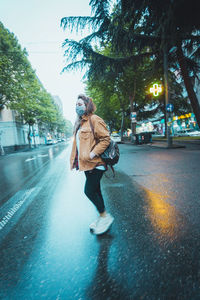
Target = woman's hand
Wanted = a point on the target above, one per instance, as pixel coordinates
(92, 155)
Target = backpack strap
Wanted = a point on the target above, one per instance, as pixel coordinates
(91, 125)
(113, 170)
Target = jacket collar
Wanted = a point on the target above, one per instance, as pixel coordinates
(86, 117)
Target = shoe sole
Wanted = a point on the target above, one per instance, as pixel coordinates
(105, 230)
(92, 230)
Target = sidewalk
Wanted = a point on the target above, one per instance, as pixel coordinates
(39, 147)
(176, 144)
(163, 144)
(32, 149)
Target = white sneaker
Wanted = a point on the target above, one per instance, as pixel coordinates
(103, 224)
(93, 225)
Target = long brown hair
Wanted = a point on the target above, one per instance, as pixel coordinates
(90, 108)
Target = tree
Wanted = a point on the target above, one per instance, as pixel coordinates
(172, 32)
(27, 105)
(138, 29)
(107, 102)
(36, 106)
(21, 90)
(13, 67)
(133, 84)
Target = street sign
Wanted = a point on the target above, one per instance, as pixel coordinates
(133, 117)
(170, 107)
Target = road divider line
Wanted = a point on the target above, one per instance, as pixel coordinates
(10, 213)
(28, 159)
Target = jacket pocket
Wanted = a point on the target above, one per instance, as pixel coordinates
(85, 134)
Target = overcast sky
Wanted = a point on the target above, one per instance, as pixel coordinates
(36, 24)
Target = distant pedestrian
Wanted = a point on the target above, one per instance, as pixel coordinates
(85, 156)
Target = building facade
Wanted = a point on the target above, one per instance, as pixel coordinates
(14, 134)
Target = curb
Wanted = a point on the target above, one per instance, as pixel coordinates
(165, 146)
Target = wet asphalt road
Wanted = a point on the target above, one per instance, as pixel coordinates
(151, 252)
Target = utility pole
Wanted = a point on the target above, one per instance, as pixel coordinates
(166, 84)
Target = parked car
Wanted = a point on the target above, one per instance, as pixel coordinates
(116, 137)
(49, 142)
(193, 132)
(183, 132)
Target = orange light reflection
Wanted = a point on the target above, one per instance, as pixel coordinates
(163, 216)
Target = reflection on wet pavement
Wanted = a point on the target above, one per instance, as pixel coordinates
(103, 285)
(21, 167)
(163, 216)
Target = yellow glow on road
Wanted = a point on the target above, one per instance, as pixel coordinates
(162, 214)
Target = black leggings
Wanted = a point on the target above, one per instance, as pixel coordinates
(93, 189)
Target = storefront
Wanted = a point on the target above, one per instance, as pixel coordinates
(187, 121)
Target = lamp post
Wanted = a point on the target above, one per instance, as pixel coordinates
(168, 108)
(156, 90)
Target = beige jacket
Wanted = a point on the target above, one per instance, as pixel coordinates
(88, 143)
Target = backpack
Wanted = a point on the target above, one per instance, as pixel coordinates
(111, 155)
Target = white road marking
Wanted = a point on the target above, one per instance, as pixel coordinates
(10, 213)
(33, 158)
(28, 159)
(42, 155)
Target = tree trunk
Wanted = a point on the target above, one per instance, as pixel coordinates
(34, 136)
(165, 116)
(132, 99)
(2, 152)
(188, 84)
(122, 126)
(29, 135)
